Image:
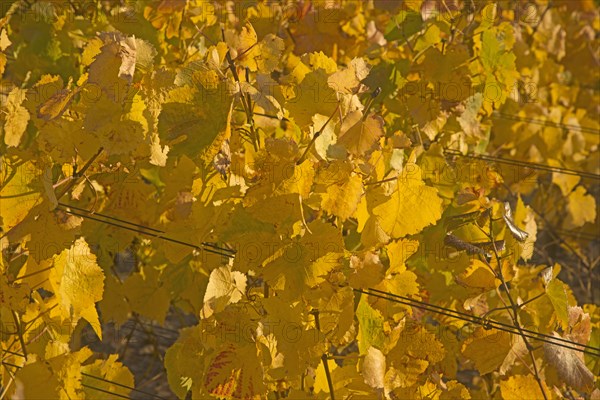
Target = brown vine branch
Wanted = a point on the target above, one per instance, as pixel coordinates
(80, 173)
(515, 311)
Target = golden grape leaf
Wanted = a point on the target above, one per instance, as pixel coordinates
(224, 287)
(366, 272)
(147, 294)
(342, 200)
(305, 261)
(114, 305)
(235, 372)
(557, 294)
(582, 208)
(487, 358)
(336, 310)
(16, 118)
(370, 326)
(521, 387)
(416, 342)
(348, 80)
(109, 375)
(399, 251)
(415, 350)
(569, 366)
(13, 296)
(478, 278)
(21, 191)
(36, 381)
(78, 283)
(67, 367)
(184, 361)
(311, 96)
(412, 207)
(373, 368)
(57, 104)
(579, 325)
(359, 135)
(455, 390)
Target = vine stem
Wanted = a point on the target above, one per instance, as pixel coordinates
(244, 98)
(328, 374)
(315, 136)
(20, 332)
(324, 359)
(514, 315)
(78, 174)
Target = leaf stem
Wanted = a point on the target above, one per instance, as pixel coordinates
(515, 311)
(20, 332)
(315, 136)
(80, 173)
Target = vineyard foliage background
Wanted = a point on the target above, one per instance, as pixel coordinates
(249, 173)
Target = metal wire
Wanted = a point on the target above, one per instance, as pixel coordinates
(525, 164)
(486, 323)
(208, 247)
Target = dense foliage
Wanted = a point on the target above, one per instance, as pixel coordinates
(323, 185)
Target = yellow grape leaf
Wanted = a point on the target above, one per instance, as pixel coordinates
(519, 387)
(224, 287)
(487, 349)
(57, 104)
(321, 384)
(373, 234)
(402, 284)
(183, 360)
(557, 294)
(235, 372)
(414, 352)
(582, 208)
(359, 135)
(13, 296)
(98, 373)
(17, 117)
(114, 306)
(366, 272)
(336, 310)
(300, 346)
(78, 283)
(455, 390)
(569, 366)
(301, 181)
(477, 277)
(468, 119)
(370, 326)
(21, 191)
(36, 381)
(525, 217)
(166, 16)
(311, 96)
(416, 342)
(373, 368)
(398, 252)
(327, 136)
(67, 366)
(398, 216)
(2, 63)
(147, 294)
(579, 325)
(565, 182)
(246, 47)
(306, 261)
(342, 200)
(269, 53)
(4, 40)
(348, 80)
